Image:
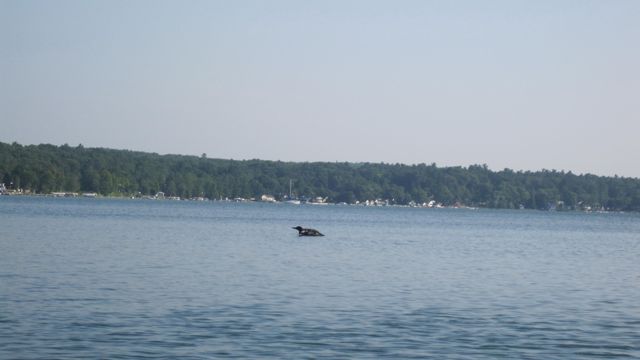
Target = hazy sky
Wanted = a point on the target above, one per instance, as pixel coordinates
(519, 84)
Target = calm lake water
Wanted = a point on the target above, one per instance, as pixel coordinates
(89, 278)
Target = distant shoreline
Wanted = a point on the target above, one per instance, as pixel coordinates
(93, 172)
(279, 203)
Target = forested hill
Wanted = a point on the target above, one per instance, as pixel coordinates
(48, 168)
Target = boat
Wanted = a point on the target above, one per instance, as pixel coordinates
(290, 199)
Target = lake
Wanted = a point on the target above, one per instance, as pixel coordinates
(105, 278)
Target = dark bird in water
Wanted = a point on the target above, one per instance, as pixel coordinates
(307, 232)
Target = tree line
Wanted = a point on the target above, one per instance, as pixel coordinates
(48, 168)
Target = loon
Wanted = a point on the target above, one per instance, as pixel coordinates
(307, 232)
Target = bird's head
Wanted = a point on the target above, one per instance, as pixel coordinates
(298, 228)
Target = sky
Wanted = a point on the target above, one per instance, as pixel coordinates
(525, 85)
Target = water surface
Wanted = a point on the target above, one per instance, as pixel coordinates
(86, 278)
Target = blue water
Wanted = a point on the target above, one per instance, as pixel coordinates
(94, 278)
